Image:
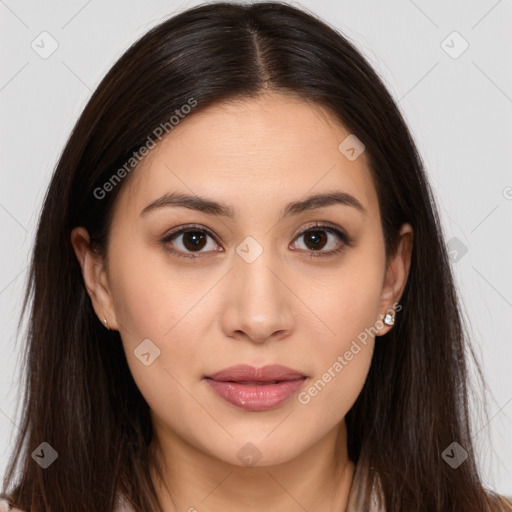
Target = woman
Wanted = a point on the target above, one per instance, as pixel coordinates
(241, 293)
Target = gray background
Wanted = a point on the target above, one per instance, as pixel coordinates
(459, 108)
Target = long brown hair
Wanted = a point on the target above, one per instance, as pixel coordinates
(80, 396)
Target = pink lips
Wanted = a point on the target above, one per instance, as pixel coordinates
(256, 389)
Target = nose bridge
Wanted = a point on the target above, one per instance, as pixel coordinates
(259, 282)
(259, 303)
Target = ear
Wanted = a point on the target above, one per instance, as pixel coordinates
(396, 275)
(95, 276)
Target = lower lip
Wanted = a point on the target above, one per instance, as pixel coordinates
(256, 397)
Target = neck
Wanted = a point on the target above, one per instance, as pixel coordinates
(192, 480)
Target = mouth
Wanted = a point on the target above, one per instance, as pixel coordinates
(256, 389)
(256, 383)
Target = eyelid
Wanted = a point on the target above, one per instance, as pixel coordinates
(188, 227)
(326, 225)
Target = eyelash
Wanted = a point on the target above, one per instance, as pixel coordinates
(346, 240)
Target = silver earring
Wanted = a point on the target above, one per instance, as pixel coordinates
(106, 323)
(389, 319)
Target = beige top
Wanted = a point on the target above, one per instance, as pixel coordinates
(4, 507)
(121, 507)
(124, 506)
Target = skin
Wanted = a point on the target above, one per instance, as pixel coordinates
(218, 310)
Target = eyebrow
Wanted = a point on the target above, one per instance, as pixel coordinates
(212, 207)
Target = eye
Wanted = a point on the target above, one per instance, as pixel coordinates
(190, 238)
(186, 241)
(321, 235)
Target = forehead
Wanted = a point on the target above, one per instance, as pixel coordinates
(271, 149)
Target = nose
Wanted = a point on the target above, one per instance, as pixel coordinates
(258, 303)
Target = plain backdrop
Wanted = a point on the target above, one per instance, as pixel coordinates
(448, 65)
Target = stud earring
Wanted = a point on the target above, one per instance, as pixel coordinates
(389, 319)
(106, 323)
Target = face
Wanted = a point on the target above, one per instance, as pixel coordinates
(255, 273)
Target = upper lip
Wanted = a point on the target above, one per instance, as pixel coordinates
(246, 372)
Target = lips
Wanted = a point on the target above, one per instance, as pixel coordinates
(250, 374)
(256, 389)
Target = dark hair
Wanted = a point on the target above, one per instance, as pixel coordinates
(80, 396)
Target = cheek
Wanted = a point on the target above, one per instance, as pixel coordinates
(152, 314)
(149, 308)
(153, 301)
(342, 355)
(346, 312)
(346, 300)
(151, 297)
(330, 394)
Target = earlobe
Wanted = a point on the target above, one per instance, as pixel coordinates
(395, 279)
(94, 276)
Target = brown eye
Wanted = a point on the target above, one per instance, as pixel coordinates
(315, 240)
(194, 240)
(187, 241)
(318, 237)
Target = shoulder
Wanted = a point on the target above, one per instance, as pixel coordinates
(5, 507)
(505, 501)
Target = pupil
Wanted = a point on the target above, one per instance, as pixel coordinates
(193, 239)
(317, 236)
